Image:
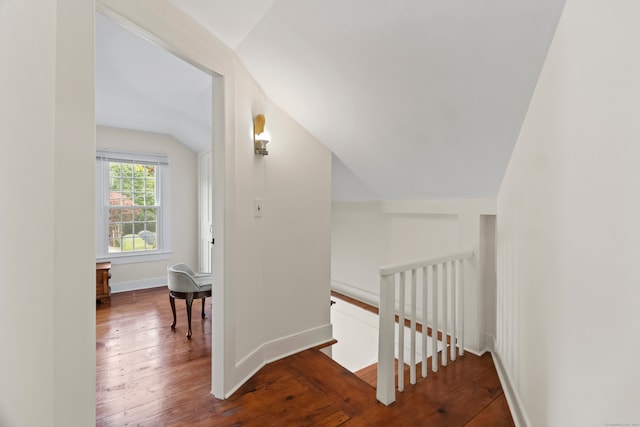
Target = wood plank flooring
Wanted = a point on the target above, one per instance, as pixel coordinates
(149, 374)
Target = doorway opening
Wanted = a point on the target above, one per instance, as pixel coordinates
(156, 93)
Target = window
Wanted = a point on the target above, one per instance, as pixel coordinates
(132, 208)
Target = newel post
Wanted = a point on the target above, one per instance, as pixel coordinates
(386, 369)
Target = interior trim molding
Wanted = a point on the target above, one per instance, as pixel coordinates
(474, 351)
(515, 405)
(490, 342)
(357, 293)
(135, 285)
(278, 349)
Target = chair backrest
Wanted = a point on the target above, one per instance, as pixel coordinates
(182, 267)
(179, 280)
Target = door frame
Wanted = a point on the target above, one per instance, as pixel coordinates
(158, 29)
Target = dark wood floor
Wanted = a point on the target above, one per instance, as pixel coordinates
(149, 374)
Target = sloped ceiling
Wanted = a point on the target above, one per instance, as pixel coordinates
(417, 99)
(141, 86)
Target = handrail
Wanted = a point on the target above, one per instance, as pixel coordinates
(442, 277)
(388, 270)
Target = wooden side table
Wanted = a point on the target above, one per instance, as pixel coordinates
(103, 291)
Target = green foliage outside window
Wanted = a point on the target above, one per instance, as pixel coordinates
(132, 207)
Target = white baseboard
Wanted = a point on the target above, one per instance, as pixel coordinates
(135, 285)
(246, 368)
(490, 342)
(279, 349)
(474, 351)
(283, 347)
(515, 406)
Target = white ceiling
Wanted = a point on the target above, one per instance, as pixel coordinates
(142, 86)
(417, 99)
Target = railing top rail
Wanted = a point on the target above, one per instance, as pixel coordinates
(388, 270)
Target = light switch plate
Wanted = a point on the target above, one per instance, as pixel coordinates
(257, 207)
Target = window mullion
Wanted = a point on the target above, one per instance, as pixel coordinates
(134, 210)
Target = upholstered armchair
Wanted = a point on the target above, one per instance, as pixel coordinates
(185, 284)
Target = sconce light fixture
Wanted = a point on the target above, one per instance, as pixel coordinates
(260, 136)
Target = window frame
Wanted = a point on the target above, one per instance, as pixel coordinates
(163, 219)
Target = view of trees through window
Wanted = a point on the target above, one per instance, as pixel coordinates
(132, 207)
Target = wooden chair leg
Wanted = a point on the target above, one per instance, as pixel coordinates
(203, 316)
(172, 301)
(189, 301)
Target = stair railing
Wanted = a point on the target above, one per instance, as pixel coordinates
(442, 288)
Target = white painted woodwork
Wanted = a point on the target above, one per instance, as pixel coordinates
(401, 317)
(412, 355)
(205, 203)
(400, 267)
(461, 337)
(434, 310)
(425, 332)
(454, 302)
(445, 272)
(385, 390)
(445, 311)
(368, 235)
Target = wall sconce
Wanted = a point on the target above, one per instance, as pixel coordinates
(260, 137)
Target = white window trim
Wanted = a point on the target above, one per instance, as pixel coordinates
(163, 251)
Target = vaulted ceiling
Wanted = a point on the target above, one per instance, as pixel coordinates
(417, 99)
(141, 86)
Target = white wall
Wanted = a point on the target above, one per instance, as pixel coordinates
(27, 83)
(183, 204)
(297, 221)
(283, 268)
(275, 268)
(46, 261)
(568, 229)
(48, 127)
(359, 247)
(368, 235)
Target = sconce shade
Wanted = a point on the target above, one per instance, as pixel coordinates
(260, 137)
(258, 124)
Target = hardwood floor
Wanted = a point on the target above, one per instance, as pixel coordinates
(149, 374)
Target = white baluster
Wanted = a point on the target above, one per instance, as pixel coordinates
(448, 297)
(460, 266)
(425, 328)
(454, 301)
(386, 392)
(434, 308)
(401, 334)
(445, 313)
(412, 356)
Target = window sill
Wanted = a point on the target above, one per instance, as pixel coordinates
(119, 258)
